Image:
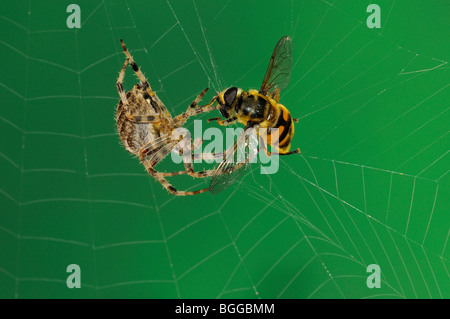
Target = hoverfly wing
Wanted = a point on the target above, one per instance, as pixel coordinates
(159, 149)
(278, 72)
(233, 167)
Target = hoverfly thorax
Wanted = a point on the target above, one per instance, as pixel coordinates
(254, 107)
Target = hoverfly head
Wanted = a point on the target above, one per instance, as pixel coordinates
(228, 99)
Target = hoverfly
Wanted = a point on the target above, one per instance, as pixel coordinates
(256, 109)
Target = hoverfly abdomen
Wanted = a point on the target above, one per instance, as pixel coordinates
(285, 126)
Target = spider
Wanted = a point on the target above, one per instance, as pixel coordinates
(145, 127)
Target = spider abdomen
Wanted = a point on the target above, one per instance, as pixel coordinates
(135, 136)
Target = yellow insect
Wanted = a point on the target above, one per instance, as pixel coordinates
(257, 109)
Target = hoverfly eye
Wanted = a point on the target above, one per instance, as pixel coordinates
(230, 96)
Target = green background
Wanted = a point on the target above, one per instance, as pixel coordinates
(371, 185)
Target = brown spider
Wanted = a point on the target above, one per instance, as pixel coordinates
(145, 127)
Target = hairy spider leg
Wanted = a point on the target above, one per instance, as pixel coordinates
(123, 98)
(193, 110)
(160, 107)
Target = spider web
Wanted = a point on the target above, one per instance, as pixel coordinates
(370, 187)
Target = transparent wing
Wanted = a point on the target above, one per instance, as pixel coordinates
(237, 160)
(278, 72)
(160, 148)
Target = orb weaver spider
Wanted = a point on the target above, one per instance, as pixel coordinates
(145, 128)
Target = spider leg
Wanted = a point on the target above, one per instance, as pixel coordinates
(190, 168)
(160, 177)
(193, 109)
(195, 156)
(193, 112)
(123, 98)
(194, 103)
(155, 152)
(214, 99)
(197, 143)
(169, 187)
(189, 171)
(188, 164)
(206, 156)
(159, 106)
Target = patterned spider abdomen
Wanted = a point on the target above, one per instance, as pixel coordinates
(135, 136)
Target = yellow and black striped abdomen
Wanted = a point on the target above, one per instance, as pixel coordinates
(285, 125)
